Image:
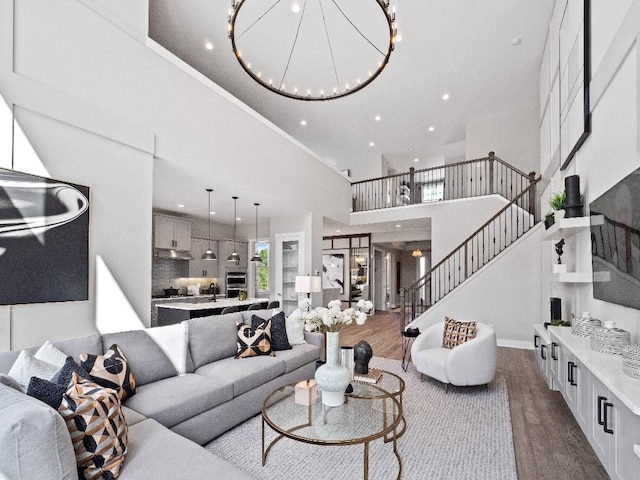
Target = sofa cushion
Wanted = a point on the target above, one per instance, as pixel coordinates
(131, 416)
(77, 346)
(145, 358)
(97, 428)
(175, 399)
(245, 374)
(27, 366)
(111, 370)
(34, 438)
(457, 333)
(279, 339)
(158, 453)
(298, 356)
(212, 338)
(253, 342)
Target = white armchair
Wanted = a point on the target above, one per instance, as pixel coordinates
(471, 363)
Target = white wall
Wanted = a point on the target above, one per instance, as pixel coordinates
(611, 151)
(504, 294)
(107, 111)
(513, 136)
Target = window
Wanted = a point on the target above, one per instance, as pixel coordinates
(262, 268)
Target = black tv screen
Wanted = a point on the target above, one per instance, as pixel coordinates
(615, 243)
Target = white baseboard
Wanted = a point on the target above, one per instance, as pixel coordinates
(515, 344)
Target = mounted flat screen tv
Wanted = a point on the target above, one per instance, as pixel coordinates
(615, 243)
(44, 240)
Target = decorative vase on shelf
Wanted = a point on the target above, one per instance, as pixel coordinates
(332, 377)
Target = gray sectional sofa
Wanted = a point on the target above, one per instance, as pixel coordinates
(171, 415)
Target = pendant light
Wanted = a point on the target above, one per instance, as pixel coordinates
(209, 255)
(256, 257)
(234, 258)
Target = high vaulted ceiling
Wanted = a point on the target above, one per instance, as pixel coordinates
(484, 54)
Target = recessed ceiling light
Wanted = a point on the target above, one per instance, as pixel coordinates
(208, 46)
(338, 231)
(445, 96)
(295, 7)
(303, 122)
(180, 205)
(416, 159)
(238, 219)
(371, 144)
(212, 213)
(431, 129)
(516, 41)
(398, 225)
(377, 118)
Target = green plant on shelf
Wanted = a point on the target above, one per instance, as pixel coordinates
(557, 201)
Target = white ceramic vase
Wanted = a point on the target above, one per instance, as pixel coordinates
(332, 377)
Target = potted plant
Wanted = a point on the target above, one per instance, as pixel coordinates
(557, 202)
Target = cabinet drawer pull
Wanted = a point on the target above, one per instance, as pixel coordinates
(543, 349)
(600, 400)
(569, 373)
(554, 355)
(606, 418)
(536, 341)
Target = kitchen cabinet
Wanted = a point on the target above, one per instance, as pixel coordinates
(199, 268)
(171, 232)
(288, 265)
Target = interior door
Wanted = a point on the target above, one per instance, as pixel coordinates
(379, 278)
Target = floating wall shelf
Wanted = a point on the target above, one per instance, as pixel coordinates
(568, 227)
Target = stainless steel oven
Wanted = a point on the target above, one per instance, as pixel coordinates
(236, 282)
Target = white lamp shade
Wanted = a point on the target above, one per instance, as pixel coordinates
(308, 284)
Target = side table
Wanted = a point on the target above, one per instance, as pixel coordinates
(408, 336)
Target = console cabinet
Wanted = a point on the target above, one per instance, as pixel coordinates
(542, 345)
(604, 401)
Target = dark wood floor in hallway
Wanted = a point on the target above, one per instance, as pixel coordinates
(548, 442)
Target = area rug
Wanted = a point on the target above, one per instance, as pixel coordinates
(463, 435)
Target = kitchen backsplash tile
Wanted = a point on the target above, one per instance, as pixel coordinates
(165, 272)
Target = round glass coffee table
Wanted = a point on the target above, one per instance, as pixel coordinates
(369, 413)
(389, 384)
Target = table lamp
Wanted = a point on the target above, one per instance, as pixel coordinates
(308, 284)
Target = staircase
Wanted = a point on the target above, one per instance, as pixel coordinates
(509, 224)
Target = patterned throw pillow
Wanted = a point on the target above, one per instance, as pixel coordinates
(97, 427)
(456, 333)
(279, 338)
(254, 341)
(111, 371)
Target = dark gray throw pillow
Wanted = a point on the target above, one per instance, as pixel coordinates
(46, 391)
(63, 377)
(279, 339)
(50, 392)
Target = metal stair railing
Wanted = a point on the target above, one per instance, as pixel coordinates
(472, 178)
(485, 244)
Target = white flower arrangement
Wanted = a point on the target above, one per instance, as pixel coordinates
(326, 319)
(365, 305)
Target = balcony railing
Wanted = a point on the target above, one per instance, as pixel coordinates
(472, 178)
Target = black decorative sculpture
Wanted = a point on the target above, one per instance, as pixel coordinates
(362, 353)
(559, 250)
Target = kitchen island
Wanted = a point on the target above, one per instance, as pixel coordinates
(171, 313)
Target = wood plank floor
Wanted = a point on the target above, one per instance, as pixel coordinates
(549, 444)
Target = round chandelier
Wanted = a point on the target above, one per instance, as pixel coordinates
(312, 50)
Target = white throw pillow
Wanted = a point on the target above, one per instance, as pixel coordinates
(295, 330)
(27, 366)
(50, 354)
(172, 340)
